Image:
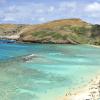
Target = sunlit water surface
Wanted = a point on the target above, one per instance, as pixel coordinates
(45, 71)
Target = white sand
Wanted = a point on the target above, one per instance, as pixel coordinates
(90, 92)
(12, 37)
(95, 46)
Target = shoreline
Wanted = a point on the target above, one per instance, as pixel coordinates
(95, 46)
(89, 92)
(92, 45)
(16, 38)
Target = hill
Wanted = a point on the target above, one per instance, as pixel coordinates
(69, 31)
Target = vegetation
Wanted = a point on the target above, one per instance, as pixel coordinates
(49, 34)
(76, 29)
(95, 30)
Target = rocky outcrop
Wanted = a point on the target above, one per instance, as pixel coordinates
(10, 31)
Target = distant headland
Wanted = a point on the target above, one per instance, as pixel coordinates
(64, 31)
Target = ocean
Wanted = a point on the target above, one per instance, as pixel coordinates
(45, 71)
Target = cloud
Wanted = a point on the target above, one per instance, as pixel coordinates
(9, 19)
(51, 9)
(42, 19)
(93, 7)
(31, 12)
(39, 11)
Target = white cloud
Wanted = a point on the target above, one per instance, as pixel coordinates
(42, 12)
(93, 7)
(51, 9)
(9, 19)
(41, 19)
(93, 10)
(39, 11)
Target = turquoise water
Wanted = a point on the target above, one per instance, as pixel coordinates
(45, 71)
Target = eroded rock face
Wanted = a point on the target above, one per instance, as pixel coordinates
(10, 31)
(67, 31)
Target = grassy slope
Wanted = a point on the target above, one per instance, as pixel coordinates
(59, 31)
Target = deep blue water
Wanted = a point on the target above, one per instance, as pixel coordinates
(45, 71)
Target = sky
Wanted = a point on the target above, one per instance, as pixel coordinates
(41, 11)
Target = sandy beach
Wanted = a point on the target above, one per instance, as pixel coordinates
(95, 46)
(89, 92)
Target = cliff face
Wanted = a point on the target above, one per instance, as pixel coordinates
(69, 31)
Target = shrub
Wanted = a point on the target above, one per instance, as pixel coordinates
(95, 30)
(80, 30)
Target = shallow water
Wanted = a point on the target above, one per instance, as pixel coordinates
(45, 71)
